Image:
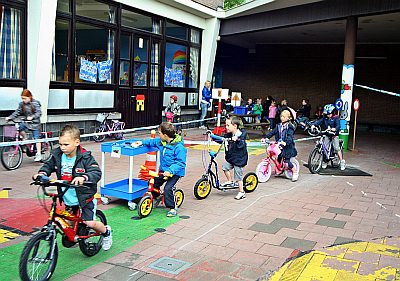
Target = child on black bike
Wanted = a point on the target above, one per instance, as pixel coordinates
(283, 133)
(236, 155)
(30, 109)
(331, 121)
(172, 162)
(73, 163)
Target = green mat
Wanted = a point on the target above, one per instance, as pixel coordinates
(126, 233)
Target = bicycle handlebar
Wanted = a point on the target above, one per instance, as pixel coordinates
(45, 181)
(16, 121)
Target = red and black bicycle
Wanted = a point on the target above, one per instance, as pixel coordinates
(39, 256)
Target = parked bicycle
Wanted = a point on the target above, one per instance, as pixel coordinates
(12, 156)
(324, 152)
(264, 168)
(306, 126)
(39, 256)
(105, 126)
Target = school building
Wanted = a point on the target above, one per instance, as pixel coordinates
(83, 57)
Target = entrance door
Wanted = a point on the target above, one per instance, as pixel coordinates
(139, 101)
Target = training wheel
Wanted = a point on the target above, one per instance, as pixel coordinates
(104, 200)
(132, 206)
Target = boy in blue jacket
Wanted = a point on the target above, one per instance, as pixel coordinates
(172, 162)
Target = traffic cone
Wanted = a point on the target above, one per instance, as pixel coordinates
(149, 164)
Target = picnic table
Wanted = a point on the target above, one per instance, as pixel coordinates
(252, 124)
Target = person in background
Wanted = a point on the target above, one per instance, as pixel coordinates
(266, 105)
(304, 112)
(319, 113)
(174, 108)
(30, 110)
(258, 109)
(205, 103)
(272, 114)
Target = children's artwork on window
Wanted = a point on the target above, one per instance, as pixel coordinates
(104, 69)
(88, 71)
(167, 76)
(176, 78)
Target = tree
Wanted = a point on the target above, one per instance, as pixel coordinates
(229, 4)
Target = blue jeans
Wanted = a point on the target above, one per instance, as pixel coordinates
(204, 107)
(169, 189)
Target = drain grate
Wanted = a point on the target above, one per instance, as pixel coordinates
(170, 265)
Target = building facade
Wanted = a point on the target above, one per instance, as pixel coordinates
(82, 57)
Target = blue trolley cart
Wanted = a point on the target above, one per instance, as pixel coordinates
(129, 188)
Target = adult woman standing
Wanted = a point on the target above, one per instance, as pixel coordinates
(205, 103)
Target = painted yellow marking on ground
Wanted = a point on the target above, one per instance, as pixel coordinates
(4, 194)
(6, 235)
(330, 264)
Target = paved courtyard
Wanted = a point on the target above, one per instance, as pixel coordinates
(220, 238)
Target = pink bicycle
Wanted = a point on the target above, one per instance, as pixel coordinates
(264, 168)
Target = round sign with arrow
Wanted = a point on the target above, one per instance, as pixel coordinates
(339, 104)
(356, 104)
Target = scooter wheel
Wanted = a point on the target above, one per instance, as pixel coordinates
(202, 188)
(250, 182)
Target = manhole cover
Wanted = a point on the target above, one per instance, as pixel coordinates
(170, 265)
(184, 217)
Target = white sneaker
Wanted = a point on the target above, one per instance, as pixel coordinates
(38, 158)
(240, 195)
(107, 240)
(324, 165)
(342, 165)
(203, 127)
(295, 176)
(227, 183)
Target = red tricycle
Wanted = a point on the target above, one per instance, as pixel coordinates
(264, 169)
(146, 205)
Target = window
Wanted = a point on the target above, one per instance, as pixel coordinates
(140, 50)
(63, 6)
(194, 67)
(195, 36)
(60, 68)
(124, 63)
(155, 64)
(94, 54)
(10, 43)
(96, 10)
(176, 31)
(139, 21)
(175, 65)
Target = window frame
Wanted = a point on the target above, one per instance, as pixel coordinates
(22, 81)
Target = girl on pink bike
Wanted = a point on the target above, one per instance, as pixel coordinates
(283, 133)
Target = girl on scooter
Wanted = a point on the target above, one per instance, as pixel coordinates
(283, 133)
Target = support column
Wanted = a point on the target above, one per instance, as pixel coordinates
(347, 78)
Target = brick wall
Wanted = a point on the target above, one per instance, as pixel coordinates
(314, 71)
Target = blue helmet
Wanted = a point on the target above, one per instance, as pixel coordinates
(328, 109)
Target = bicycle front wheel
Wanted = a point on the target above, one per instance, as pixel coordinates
(11, 157)
(39, 257)
(315, 161)
(99, 138)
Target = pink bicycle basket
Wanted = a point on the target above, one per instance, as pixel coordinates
(169, 115)
(274, 149)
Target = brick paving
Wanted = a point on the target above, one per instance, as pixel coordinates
(226, 239)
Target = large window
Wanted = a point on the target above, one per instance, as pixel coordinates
(139, 21)
(94, 54)
(60, 69)
(10, 43)
(175, 65)
(140, 64)
(95, 10)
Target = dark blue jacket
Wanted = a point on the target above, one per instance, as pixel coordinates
(286, 135)
(236, 151)
(333, 122)
(172, 155)
(206, 94)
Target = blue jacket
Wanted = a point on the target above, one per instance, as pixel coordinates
(329, 122)
(206, 94)
(286, 135)
(172, 155)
